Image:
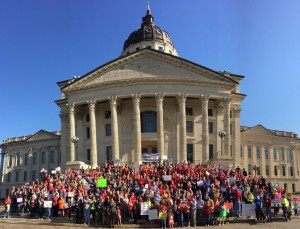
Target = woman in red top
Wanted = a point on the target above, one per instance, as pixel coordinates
(207, 210)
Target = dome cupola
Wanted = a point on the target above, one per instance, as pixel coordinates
(148, 35)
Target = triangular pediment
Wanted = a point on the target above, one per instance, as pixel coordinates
(149, 65)
(42, 135)
(259, 130)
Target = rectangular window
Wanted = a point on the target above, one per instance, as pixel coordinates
(34, 158)
(231, 129)
(25, 176)
(266, 152)
(274, 154)
(230, 114)
(231, 150)
(241, 151)
(109, 153)
(33, 176)
(211, 151)
(43, 157)
(52, 157)
(210, 112)
(210, 127)
(293, 188)
(189, 126)
(88, 133)
(160, 48)
(257, 152)
(26, 159)
(190, 152)
(282, 154)
(291, 171)
(108, 129)
(17, 176)
(107, 114)
(10, 161)
(59, 156)
(189, 111)
(87, 117)
(88, 155)
(8, 177)
(249, 151)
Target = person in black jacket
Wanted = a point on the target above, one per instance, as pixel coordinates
(111, 213)
(79, 210)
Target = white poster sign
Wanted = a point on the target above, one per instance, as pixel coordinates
(144, 208)
(20, 200)
(167, 177)
(47, 204)
(70, 194)
(248, 210)
(152, 214)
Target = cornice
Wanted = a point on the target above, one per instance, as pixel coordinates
(143, 81)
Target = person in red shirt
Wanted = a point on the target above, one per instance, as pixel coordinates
(207, 210)
(7, 202)
(268, 204)
(237, 202)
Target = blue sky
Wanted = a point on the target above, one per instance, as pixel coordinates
(43, 42)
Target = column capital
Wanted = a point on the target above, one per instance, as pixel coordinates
(227, 100)
(92, 104)
(237, 112)
(220, 110)
(159, 97)
(205, 98)
(136, 98)
(113, 101)
(71, 107)
(181, 97)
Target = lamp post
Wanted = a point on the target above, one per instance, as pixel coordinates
(255, 167)
(222, 135)
(43, 174)
(75, 140)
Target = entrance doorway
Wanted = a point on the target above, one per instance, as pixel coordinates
(149, 147)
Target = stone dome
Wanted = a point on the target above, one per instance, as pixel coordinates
(148, 35)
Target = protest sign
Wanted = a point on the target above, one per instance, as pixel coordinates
(164, 157)
(101, 183)
(248, 210)
(295, 198)
(144, 208)
(162, 215)
(228, 205)
(20, 200)
(167, 177)
(117, 161)
(87, 187)
(47, 204)
(152, 214)
(170, 159)
(70, 194)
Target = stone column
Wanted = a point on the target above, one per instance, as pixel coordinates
(115, 129)
(1, 167)
(160, 123)
(227, 140)
(72, 130)
(181, 98)
(295, 160)
(219, 114)
(137, 157)
(271, 164)
(205, 136)
(237, 136)
(94, 159)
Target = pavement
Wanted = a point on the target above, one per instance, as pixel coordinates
(18, 222)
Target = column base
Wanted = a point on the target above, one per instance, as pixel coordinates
(76, 165)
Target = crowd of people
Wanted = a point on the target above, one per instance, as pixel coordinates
(180, 194)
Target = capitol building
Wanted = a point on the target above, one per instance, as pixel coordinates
(151, 102)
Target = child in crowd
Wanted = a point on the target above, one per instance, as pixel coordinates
(170, 218)
(295, 204)
(119, 216)
(223, 213)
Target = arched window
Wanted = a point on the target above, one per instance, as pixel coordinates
(275, 171)
(282, 154)
(33, 175)
(25, 176)
(283, 171)
(267, 170)
(266, 152)
(274, 154)
(148, 122)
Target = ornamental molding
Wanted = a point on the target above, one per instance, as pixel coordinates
(144, 81)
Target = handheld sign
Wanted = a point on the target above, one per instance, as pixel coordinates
(101, 183)
(144, 208)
